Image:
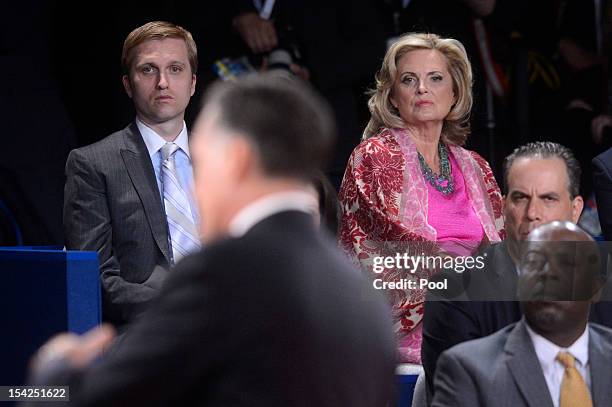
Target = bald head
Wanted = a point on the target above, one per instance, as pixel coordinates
(560, 231)
(559, 262)
(559, 278)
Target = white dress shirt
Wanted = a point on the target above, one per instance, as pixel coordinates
(553, 369)
(182, 160)
(270, 205)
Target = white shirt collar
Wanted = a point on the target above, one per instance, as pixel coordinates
(154, 141)
(547, 351)
(269, 205)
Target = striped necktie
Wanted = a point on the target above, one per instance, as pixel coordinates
(574, 392)
(181, 225)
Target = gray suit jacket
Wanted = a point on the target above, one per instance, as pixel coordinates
(503, 370)
(112, 205)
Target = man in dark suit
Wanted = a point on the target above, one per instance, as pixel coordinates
(551, 357)
(542, 183)
(121, 193)
(602, 181)
(270, 313)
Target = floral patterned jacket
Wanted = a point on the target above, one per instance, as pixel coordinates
(383, 200)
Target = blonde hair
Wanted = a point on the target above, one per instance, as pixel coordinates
(456, 126)
(158, 30)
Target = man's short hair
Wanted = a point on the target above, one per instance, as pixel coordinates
(547, 149)
(157, 30)
(289, 123)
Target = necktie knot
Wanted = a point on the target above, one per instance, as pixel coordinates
(566, 359)
(168, 150)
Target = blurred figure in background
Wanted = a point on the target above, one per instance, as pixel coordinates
(37, 132)
(585, 46)
(410, 180)
(336, 45)
(602, 181)
(328, 211)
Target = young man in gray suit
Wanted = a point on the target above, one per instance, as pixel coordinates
(553, 357)
(129, 196)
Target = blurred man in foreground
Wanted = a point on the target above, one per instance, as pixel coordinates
(269, 313)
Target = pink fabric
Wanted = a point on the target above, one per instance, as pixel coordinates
(458, 228)
(414, 203)
(384, 202)
(409, 346)
(481, 190)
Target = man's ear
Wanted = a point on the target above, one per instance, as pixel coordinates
(127, 86)
(242, 158)
(577, 206)
(193, 84)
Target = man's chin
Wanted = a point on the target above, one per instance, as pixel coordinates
(544, 314)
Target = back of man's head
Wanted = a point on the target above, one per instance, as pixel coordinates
(289, 125)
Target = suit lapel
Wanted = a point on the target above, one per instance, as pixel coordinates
(505, 276)
(140, 169)
(601, 374)
(525, 368)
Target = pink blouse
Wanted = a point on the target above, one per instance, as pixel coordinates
(459, 230)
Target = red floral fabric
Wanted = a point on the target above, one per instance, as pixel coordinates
(384, 208)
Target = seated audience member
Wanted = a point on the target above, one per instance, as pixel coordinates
(410, 180)
(602, 181)
(328, 211)
(541, 182)
(552, 356)
(128, 196)
(270, 313)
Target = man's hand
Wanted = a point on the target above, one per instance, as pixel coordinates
(259, 34)
(298, 70)
(77, 351)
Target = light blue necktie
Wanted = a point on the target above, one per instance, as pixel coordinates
(181, 225)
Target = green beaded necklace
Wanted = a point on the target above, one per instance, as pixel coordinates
(442, 182)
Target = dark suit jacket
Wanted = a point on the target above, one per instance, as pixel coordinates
(602, 181)
(447, 322)
(275, 318)
(503, 370)
(475, 313)
(112, 205)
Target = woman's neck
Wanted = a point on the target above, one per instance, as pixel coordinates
(426, 137)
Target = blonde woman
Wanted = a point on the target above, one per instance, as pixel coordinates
(410, 180)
